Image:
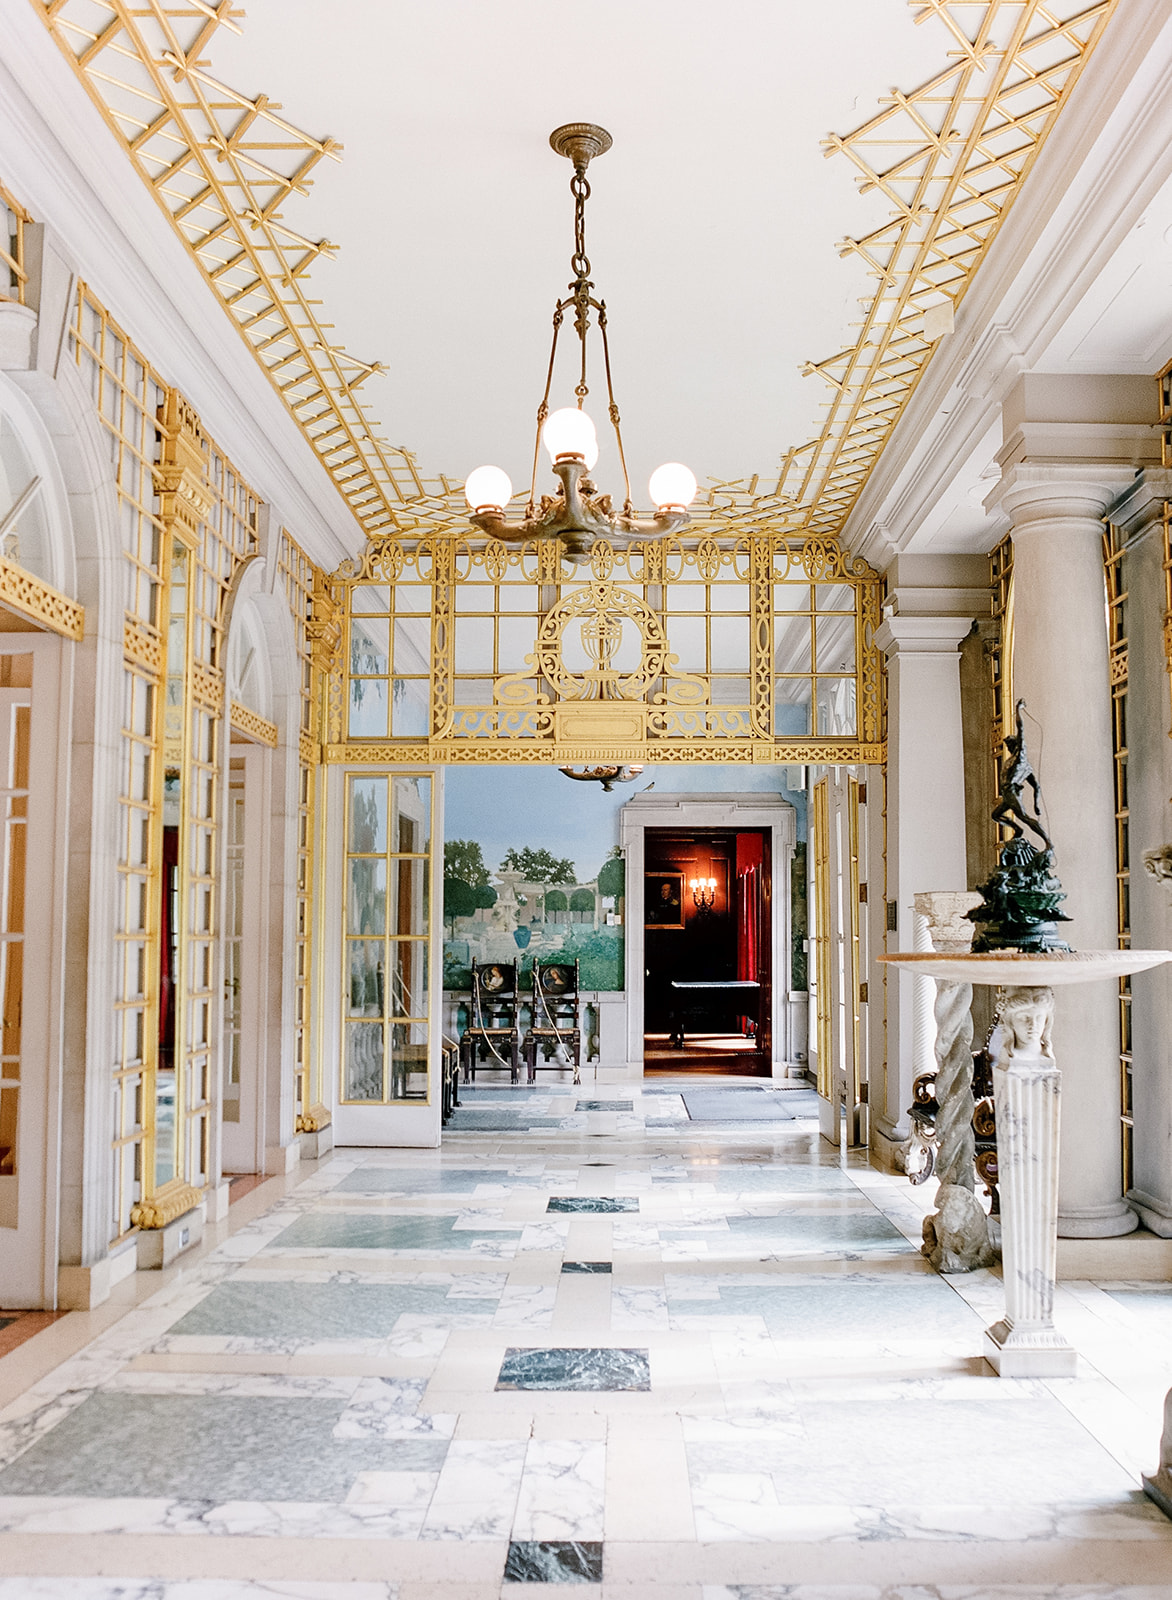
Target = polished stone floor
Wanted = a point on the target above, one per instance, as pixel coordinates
(604, 1341)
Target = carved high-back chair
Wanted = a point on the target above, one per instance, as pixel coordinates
(555, 1020)
(493, 1033)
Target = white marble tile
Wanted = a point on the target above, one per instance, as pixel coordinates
(632, 1309)
(561, 1494)
(476, 1496)
(525, 1306)
(388, 1408)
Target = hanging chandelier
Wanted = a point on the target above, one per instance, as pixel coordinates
(578, 513)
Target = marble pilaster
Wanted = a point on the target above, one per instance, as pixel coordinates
(1026, 1087)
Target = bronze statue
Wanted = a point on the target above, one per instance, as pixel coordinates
(1020, 901)
(1018, 776)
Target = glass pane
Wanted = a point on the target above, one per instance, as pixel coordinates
(409, 1061)
(164, 1127)
(368, 708)
(475, 597)
(9, 1106)
(367, 899)
(411, 821)
(408, 995)
(792, 644)
(411, 708)
(729, 691)
(730, 644)
(366, 977)
(368, 816)
(11, 978)
(792, 701)
(412, 645)
(363, 1078)
(687, 597)
(518, 597)
(835, 639)
(413, 597)
(410, 903)
(730, 597)
(368, 646)
(834, 596)
(836, 706)
(686, 639)
(370, 597)
(791, 597)
(474, 641)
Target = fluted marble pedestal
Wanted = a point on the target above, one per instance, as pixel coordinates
(1026, 1087)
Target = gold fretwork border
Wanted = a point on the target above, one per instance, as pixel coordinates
(207, 687)
(142, 645)
(948, 158)
(308, 750)
(39, 603)
(721, 752)
(245, 720)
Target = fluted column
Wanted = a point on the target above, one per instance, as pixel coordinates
(1060, 669)
(925, 838)
(1026, 1083)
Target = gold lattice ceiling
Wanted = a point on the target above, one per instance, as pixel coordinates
(948, 157)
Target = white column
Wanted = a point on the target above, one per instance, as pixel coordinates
(1060, 670)
(1026, 1081)
(925, 837)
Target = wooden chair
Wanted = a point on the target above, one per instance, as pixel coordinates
(493, 1029)
(555, 1018)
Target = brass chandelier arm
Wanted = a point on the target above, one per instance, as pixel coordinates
(577, 516)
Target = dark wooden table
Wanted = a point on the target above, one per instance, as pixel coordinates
(698, 986)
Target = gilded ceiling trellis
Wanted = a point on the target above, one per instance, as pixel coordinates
(950, 156)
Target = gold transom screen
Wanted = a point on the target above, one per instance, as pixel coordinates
(457, 649)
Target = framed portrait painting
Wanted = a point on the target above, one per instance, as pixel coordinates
(663, 899)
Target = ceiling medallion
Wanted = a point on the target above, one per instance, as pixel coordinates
(578, 514)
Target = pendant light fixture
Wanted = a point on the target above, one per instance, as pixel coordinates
(578, 513)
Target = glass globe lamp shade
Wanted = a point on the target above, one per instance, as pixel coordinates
(672, 485)
(488, 486)
(570, 432)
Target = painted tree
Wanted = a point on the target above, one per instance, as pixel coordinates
(463, 860)
(612, 880)
(539, 866)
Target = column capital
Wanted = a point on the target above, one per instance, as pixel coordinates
(1036, 491)
(1142, 502)
(922, 636)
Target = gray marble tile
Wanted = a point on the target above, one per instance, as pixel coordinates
(605, 1204)
(578, 1368)
(207, 1448)
(451, 1180)
(606, 1105)
(319, 1311)
(587, 1266)
(554, 1561)
(415, 1235)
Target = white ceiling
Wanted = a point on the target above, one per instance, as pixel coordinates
(712, 228)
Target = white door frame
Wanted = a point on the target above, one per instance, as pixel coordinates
(28, 1254)
(732, 813)
(401, 1125)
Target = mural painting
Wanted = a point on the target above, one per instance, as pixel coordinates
(532, 868)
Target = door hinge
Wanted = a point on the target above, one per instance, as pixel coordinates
(862, 794)
(863, 994)
(864, 1095)
(893, 916)
(862, 894)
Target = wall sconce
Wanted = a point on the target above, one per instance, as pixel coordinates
(703, 894)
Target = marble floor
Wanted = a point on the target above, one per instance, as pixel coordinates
(593, 1340)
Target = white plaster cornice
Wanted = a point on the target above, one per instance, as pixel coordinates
(1142, 502)
(922, 636)
(1108, 156)
(64, 164)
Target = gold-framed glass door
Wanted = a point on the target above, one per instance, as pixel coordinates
(387, 995)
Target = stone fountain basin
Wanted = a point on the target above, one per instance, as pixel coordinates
(1011, 968)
